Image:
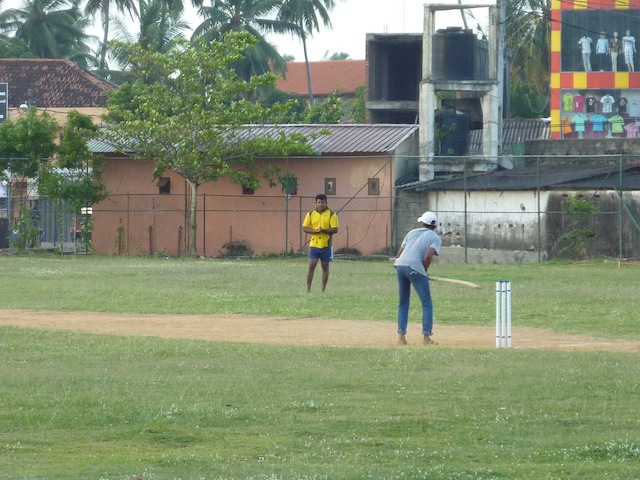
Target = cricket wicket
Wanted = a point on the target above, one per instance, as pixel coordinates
(503, 314)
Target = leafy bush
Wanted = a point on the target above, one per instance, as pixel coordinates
(237, 248)
(576, 242)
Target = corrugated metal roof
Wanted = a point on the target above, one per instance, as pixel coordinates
(549, 177)
(354, 138)
(515, 131)
(341, 139)
(98, 146)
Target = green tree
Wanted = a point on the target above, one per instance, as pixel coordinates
(579, 237)
(25, 145)
(92, 7)
(330, 111)
(76, 177)
(295, 107)
(195, 120)
(74, 43)
(357, 110)
(11, 47)
(307, 15)
(252, 16)
(527, 102)
(50, 30)
(121, 100)
(528, 36)
(335, 56)
(159, 27)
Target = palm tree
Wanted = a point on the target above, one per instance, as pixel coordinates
(251, 16)
(304, 14)
(159, 27)
(11, 47)
(74, 42)
(103, 6)
(528, 36)
(49, 29)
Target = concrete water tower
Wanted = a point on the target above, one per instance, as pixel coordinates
(453, 61)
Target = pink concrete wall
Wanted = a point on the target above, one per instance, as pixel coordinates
(152, 222)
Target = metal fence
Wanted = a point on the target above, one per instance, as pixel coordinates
(52, 223)
(235, 224)
(550, 207)
(554, 206)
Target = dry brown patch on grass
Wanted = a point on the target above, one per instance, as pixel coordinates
(305, 331)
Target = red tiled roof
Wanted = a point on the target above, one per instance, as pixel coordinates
(54, 83)
(326, 76)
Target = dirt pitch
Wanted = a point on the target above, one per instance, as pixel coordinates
(306, 331)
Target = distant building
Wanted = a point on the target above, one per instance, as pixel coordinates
(326, 77)
(354, 165)
(393, 77)
(53, 85)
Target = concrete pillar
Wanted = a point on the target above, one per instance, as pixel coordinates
(490, 90)
(427, 104)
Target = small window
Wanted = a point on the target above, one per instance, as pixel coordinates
(329, 186)
(164, 185)
(374, 186)
(247, 191)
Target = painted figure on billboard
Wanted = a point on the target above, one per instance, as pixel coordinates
(629, 48)
(614, 49)
(585, 44)
(602, 52)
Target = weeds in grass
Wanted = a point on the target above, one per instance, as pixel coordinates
(111, 408)
(598, 298)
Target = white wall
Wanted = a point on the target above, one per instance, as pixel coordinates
(502, 220)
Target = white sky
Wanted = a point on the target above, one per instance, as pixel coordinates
(352, 20)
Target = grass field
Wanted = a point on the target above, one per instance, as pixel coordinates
(80, 406)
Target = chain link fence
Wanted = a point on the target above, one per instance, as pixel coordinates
(551, 206)
(546, 207)
(32, 221)
(235, 225)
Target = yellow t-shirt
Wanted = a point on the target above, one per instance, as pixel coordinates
(324, 220)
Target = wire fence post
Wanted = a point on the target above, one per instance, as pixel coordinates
(466, 212)
(621, 213)
(128, 222)
(538, 191)
(204, 223)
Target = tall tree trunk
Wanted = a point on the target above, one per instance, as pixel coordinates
(105, 28)
(192, 219)
(306, 62)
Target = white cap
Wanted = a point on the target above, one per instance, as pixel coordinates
(429, 218)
